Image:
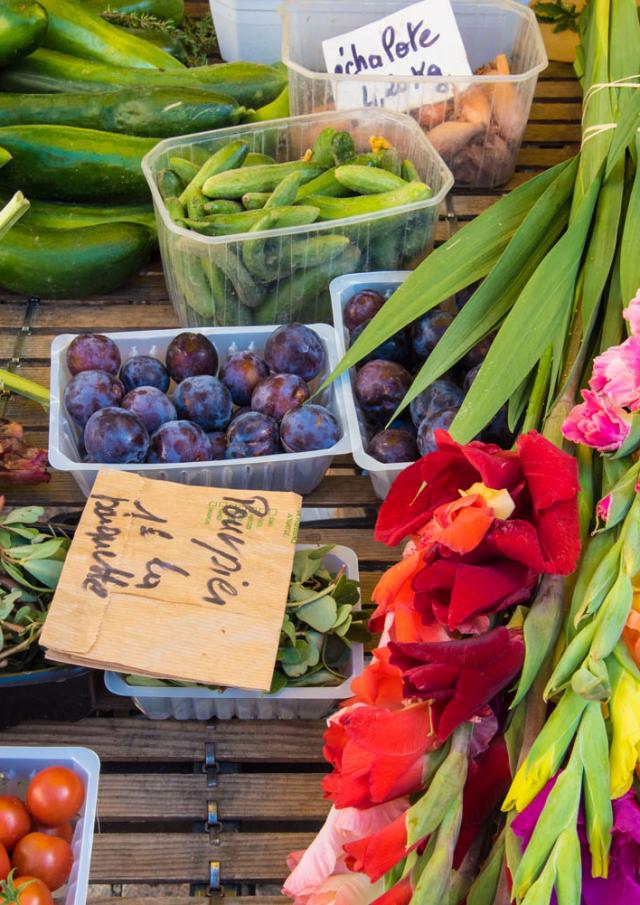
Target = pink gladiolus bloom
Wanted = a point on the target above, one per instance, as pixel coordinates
(616, 374)
(313, 872)
(603, 507)
(597, 422)
(632, 314)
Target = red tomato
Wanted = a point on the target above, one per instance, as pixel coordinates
(30, 892)
(62, 831)
(55, 795)
(5, 863)
(14, 821)
(48, 858)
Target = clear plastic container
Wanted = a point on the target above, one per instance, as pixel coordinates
(247, 29)
(342, 288)
(299, 472)
(19, 764)
(201, 703)
(490, 112)
(208, 283)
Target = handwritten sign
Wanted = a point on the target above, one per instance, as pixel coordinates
(175, 581)
(422, 40)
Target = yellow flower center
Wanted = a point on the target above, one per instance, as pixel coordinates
(499, 501)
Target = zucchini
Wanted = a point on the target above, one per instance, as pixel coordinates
(55, 215)
(75, 30)
(23, 24)
(72, 263)
(157, 113)
(162, 39)
(74, 164)
(161, 9)
(264, 178)
(48, 71)
(277, 109)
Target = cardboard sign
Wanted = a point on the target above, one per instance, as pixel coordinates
(175, 581)
(422, 39)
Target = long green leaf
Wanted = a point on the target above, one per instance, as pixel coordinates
(593, 746)
(494, 298)
(464, 258)
(630, 244)
(525, 333)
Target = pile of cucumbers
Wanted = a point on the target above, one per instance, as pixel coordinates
(81, 103)
(260, 271)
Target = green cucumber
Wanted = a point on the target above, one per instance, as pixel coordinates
(336, 208)
(409, 172)
(161, 9)
(254, 201)
(156, 113)
(228, 157)
(49, 71)
(258, 255)
(169, 184)
(368, 180)
(23, 24)
(292, 298)
(343, 150)
(222, 206)
(285, 192)
(389, 159)
(254, 158)
(75, 30)
(232, 224)
(74, 164)
(321, 152)
(234, 183)
(184, 169)
(324, 184)
(72, 263)
(56, 215)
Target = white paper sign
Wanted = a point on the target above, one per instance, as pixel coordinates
(421, 39)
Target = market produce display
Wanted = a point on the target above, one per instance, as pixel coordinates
(245, 406)
(36, 856)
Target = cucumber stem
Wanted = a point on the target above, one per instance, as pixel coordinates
(12, 211)
(24, 387)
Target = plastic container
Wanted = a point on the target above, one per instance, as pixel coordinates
(484, 156)
(201, 703)
(58, 693)
(247, 29)
(204, 272)
(382, 475)
(19, 764)
(299, 472)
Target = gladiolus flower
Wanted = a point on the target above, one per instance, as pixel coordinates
(616, 374)
(380, 682)
(377, 754)
(632, 314)
(624, 713)
(603, 507)
(376, 854)
(597, 422)
(400, 894)
(459, 677)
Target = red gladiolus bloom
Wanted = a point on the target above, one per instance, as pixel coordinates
(376, 854)
(542, 533)
(380, 682)
(377, 754)
(460, 677)
(400, 894)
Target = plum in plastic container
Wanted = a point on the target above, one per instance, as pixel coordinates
(201, 703)
(382, 474)
(206, 276)
(300, 472)
(478, 125)
(19, 764)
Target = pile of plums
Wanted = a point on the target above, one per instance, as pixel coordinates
(249, 405)
(386, 374)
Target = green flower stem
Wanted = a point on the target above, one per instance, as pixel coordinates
(538, 392)
(12, 211)
(15, 383)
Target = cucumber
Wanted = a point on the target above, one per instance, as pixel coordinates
(336, 208)
(254, 158)
(75, 30)
(251, 84)
(325, 184)
(368, 180)
(72, 263)
(55, 215)
(253, 201)
(157, 113)
(228, 157)
(23, 24)
(285, 192)
(161, 9)
(235, 183)
(74, 164)
(232, 224)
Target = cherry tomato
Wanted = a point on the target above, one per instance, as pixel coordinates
(48, 858)
(5, 863)
(30, 892)
(14, 821)
(55, 795)
(62, 831)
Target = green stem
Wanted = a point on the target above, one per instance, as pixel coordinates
(24, 387)
(12, 211)
(538, 392)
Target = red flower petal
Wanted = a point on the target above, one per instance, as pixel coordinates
(400, 894)
(397, 732)
(488, 589)
(376, 854)
(404, 508)
(478, 651)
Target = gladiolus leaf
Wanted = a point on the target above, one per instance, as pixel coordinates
(630, 242)
(593, 748)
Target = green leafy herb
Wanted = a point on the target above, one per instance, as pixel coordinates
(196, 36)
(563, 16)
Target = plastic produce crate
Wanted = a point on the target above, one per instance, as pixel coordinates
(483, 155)
(382, 474)
(20, 763)
(200, 703)
(247, 29)
(206, 277)
(299, 472)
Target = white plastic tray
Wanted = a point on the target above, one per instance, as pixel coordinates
(342, 288)
(201, 703)
(247, 29)
(299, 473)
(20, 763)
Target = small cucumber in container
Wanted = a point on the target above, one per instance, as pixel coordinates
(265, 178)
(335, 208)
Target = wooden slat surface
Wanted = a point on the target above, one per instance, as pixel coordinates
(154, 792)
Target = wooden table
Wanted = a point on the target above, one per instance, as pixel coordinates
(263, 779)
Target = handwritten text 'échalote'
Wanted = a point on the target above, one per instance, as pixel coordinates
(392, 47)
